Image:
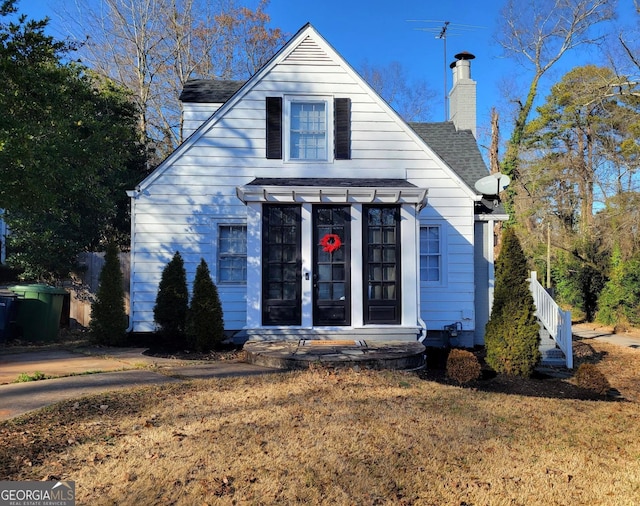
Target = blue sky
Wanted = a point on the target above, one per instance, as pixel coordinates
(380, 32)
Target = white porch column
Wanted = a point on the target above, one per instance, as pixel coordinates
(357, 276)
(410, 276)
(254, 265)
(306, 253)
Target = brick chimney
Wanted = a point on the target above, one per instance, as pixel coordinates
(462, 98)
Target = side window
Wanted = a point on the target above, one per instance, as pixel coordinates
(232, 254)
(430, 254)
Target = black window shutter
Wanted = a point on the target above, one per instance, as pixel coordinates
(274, 127)
(342, 127)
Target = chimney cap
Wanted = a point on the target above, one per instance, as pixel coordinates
(465, 55)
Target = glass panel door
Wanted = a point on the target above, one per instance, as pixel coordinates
(382, 264)
(281, 265)
(331, 280)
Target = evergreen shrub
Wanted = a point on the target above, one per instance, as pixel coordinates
(170, 310)
(512, 334)
(205, 323)
(108, 316)
(619, 301)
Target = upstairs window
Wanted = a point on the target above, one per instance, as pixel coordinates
(308, 131)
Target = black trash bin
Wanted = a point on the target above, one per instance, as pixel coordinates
(8, 307)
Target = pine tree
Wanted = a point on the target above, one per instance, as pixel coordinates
(512, 334)
(108, 317)
(619, 301)
(205, 324)
(170, 310)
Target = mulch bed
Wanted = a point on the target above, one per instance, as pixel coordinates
(546, 382)
(230, 352)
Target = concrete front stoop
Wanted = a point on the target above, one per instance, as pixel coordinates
(302, 354)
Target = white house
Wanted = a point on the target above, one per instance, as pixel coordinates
(320, 212)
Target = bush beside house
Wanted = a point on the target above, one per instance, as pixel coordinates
(463, 366)
(170, 310)
(512, 334)
(205, 323)
(108, 316)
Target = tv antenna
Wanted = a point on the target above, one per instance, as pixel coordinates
(442, 30)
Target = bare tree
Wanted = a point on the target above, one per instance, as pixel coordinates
(154, 46)
(410, 99)
(494, 154)
(538, 33)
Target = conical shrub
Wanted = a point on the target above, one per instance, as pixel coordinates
(205, 322)
(108, 316)
(512, 336)
(170, 310)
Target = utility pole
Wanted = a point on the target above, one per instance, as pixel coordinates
(548, 256)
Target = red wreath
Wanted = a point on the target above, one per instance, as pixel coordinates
(330, 243)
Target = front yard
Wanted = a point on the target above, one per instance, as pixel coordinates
(347, 437)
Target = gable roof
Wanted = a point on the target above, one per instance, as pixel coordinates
(214, 92)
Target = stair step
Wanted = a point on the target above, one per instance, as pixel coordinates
(553, 362)
(555, 353)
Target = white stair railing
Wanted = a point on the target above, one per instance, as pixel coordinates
(554, 319)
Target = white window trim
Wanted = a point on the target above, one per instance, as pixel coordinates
(286, 125)
(216, 224)
(443, 255)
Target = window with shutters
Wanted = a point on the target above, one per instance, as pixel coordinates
(308, 128)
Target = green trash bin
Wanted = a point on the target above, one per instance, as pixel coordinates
(38, 311)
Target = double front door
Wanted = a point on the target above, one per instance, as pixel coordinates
(286, 285)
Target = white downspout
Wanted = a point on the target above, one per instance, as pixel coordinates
(133, 195)
(421, 322)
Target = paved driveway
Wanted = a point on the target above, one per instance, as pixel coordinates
(56, 363)
(119, 368)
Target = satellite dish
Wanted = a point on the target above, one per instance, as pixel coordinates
(493, 184)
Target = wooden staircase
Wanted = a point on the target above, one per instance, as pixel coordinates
(555, 328)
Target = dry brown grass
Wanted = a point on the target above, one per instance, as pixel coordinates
(323, 437)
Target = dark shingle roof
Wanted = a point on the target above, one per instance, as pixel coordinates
(333, 182)
(459, 149)
(209, 91)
